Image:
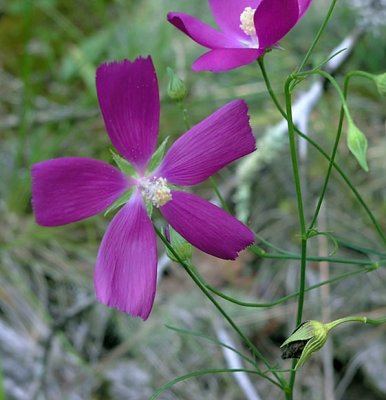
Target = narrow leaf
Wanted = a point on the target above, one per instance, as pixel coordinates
(119, 202)
(158, 156)
(123, 164)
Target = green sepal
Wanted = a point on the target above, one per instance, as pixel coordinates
(357, 143)
(149, 208)
(123, 164)
(183, 248)
(120, 201)
(157, 156)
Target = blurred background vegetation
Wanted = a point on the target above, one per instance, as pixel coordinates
(56, 342)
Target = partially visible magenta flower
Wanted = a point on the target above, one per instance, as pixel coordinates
(69, 189)
(248, 29)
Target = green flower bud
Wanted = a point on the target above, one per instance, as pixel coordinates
(357, 143)
(183, 248)
(176, 88)
(380, 81)
(308, 337)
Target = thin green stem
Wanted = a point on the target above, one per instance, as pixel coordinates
(299, 199)
(337, 260)
(268, 244)
(329, 169)
(353, 189)
(254, 351)
(224, 205)
(355, 192)
(376, 321)
(362, 74)
(184, 111)
(213, 340)
(359, 248)
(333, 82)
(267, 82)
(364, 320)
(318, 35)
(333, 324)
(289, 296)
(338, 134)
(194, 374)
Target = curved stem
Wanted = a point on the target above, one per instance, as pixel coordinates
(201, 373)
(318, 35)
(355, 192)
(255, 352)
(364, 320)
(338, 260)
(330, 164)
(285, 298)
(333, 324)
(223, 203)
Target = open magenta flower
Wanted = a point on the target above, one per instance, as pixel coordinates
(69, 189)
(248, 29)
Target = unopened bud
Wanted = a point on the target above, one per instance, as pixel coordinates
(308, 337)
(176, 87)
(357, 143)
(380, 81)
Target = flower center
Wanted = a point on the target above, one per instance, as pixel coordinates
(155, 190)
(247, 25)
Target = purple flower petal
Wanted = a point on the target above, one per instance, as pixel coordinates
(215, 142)
(126, 267)
(200, 32)
(303, 6)
(227, 14)
(207, 226)
(129, 101)
(274, 19)
(226, 59)
(69, 189)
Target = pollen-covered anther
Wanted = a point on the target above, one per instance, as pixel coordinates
(156, 191)
(247, 23)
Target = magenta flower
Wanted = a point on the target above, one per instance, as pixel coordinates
(69, 189)
(248, 29)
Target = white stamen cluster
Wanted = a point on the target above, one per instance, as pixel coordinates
(247, 24)
(156, 191)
